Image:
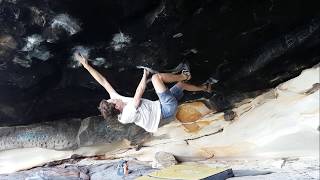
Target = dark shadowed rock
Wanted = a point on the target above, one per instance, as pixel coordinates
(229, 115)
(70, 134)
(247, 45)
(59, 135)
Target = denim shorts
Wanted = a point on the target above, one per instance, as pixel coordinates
(169, 101)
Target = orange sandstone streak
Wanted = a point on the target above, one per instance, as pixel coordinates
(191, 112)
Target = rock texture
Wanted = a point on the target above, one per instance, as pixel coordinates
(285, 168)
(251, 48)
(246, 45)
(70, 134)
(49, 173)
(163, 159)
(85, 169)
(274, 124)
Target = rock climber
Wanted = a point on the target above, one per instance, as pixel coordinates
(143, 112)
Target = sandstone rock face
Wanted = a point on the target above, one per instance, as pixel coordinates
(274, 124)
(285, 168)
(84, 169)
(50, 173)
(48, 103)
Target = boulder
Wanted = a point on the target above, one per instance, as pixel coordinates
(163, 160)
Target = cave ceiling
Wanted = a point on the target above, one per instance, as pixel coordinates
(246, 45)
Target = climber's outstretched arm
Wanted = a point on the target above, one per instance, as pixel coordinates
(140, 89)
(95, 74)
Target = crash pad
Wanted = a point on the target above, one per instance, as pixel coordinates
(189, 172)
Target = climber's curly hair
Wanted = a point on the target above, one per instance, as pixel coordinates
(108, 110)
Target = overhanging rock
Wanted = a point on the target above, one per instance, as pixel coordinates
(274, 124)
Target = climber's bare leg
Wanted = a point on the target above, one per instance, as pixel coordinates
(191, 87)
(159, 80)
